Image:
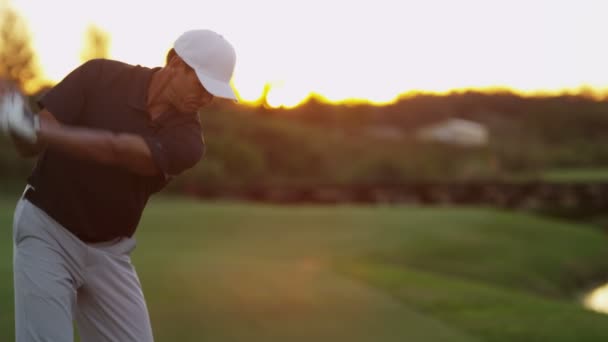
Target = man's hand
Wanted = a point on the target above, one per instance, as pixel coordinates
(16, 119)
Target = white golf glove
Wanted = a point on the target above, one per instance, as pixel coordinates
(16, 119)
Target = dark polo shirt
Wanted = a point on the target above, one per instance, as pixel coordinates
(99, 202)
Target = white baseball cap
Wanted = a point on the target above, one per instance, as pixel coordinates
(212, 57)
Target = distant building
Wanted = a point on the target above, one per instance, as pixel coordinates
(456, 132)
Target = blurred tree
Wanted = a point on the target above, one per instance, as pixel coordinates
(18, 62)
(96, 44)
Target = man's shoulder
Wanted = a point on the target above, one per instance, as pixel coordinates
(109, 65)
(110, 71)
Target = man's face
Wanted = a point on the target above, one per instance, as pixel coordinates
(187, 93)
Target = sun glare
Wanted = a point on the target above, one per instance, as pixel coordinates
(368, 52)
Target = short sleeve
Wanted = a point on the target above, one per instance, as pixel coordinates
(66, 100)
(178, 148)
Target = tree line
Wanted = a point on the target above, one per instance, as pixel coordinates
(318, 144)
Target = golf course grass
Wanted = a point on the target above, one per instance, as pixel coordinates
(243, 272)
(576, 175)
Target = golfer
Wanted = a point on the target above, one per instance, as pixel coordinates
(107, 137)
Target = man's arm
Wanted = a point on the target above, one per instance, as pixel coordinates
(126, 150)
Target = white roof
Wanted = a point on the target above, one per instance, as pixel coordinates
(456, 131)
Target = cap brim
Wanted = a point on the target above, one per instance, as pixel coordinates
(215, 87)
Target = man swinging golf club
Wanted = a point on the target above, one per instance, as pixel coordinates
(108, 136)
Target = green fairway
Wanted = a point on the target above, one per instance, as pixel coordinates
(576, 175)
(238, 272)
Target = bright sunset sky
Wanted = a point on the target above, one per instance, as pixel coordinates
(343, 49)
